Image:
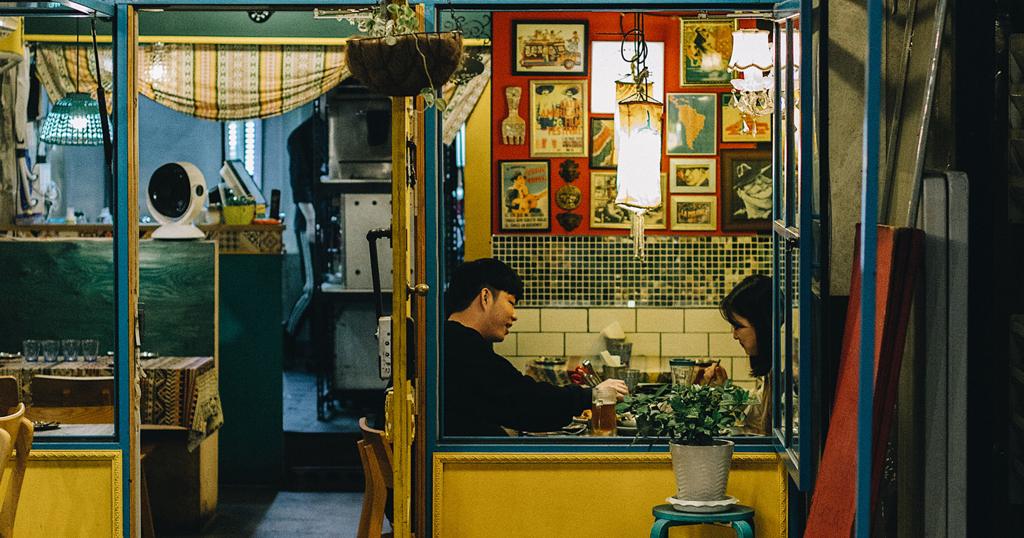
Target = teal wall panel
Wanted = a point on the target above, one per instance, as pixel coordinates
(251, 441)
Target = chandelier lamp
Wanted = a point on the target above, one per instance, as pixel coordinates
(752, 57)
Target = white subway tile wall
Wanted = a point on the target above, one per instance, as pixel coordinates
(506, 347)
(603, 317)
(563, 320)
(684, 344)
(527, 320)
(584, 344)
(645, 344)
(724, 345)
(541, 344)
(706, 320)
(660, 320)
(601, 271)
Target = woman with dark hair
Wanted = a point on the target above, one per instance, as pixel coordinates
(748, 308)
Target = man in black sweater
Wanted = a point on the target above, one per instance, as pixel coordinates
(482, 390)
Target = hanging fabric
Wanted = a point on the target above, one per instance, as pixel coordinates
(462, 99)
(56, 68)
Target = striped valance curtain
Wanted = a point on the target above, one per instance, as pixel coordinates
(237, 82)
(65, 69)
(231, 82)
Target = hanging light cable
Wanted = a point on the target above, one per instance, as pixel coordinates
(638, 134)
(74, 120)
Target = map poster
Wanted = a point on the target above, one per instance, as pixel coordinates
(694, 213)
(705, 51)
(691, 124)
(758, 128)
(524, 200)
(605, 214)
(558, 118)
(602, 143)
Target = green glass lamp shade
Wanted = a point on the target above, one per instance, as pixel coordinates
(73, 121)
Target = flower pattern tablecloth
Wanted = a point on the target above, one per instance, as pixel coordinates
(176, 391)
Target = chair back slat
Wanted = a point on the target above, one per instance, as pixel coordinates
(16, 434)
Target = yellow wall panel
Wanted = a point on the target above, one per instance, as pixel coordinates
(593, 495)
(478, 179)
(70, 494)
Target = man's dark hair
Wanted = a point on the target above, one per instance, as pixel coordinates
(752, 299)
(469, 278)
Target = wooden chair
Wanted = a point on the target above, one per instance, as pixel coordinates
(375, 453)
(72, 400)
(15, 435)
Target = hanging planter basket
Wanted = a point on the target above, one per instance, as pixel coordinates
(405, 64)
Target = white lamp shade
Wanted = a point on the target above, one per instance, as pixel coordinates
(638, 144)
(750, 48)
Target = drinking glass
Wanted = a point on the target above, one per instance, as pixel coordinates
(602, 421)
(30, 350)
(50, 348)
(90, 348)
(682, 371)
(632, 378)
(70, 349)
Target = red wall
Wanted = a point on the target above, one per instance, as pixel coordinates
(601, 27)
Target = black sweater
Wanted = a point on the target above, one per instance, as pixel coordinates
(483, 391)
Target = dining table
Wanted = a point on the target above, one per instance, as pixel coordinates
(177, 392)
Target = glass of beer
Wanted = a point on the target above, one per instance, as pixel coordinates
(602, 420)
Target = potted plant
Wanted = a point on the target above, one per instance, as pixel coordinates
(691, 416)
(397, 59)
(239, 209)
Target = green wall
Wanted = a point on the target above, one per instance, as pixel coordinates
(53, 289)
(251, 440)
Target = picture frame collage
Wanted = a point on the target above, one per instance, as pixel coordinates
(717, 175)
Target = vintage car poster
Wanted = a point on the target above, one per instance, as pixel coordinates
(558, 118)
(524, 200)
(549, 48)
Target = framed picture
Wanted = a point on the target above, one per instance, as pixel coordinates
(602, 142)
(558, 118)
(758, 128)
(549, 48)
(691, 123)
(746, 190)
(694, 213)
(693, 176)
(605, 214)
(524, 199)
(608, 67)
(705, 49)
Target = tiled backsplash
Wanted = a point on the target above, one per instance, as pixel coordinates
(602, 271)
(654, 332)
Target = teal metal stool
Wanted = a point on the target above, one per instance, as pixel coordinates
(740, 517)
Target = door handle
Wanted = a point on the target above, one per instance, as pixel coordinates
(418, 289)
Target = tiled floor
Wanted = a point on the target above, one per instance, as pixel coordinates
(247, 511)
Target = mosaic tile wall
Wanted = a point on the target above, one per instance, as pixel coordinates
(601, 270)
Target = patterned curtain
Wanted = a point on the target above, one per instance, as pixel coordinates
(65, 69)
(230, 82)
(237, 82)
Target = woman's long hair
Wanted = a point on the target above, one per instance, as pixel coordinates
(752, 299)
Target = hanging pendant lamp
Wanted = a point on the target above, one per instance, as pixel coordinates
(638, 133)
(74, 120)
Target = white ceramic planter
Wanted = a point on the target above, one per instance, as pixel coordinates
(702, 472)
